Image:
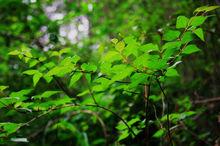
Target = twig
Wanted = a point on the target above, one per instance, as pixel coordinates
(207, 100)
(146, 102)
(90, 91)
(72, 105)
(194, 134)
(168, 112)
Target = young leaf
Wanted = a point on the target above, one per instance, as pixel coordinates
(182, 22)
(75, 77)
(206, 8)
(114, 41)
(120, 46)
(199, 33)
(191, 49)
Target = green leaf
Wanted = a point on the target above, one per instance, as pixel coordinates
(138, 78)
(206, 8)
(132, 46)
(75, 59)
(88, 77)
(41, 59)
(30, 72)
(8, 128)
(111, 56)
(171, 35)
(15, 52)
(159, 133)
(170, 48)
(133, 121)
(32, 63)
(48, 78)
(65, 50)
(171, 72)
(120, 46)
(20, 93)
(60, 71)
(114, 41)
(121, 72)
(66, 61)
(46, 94)
(89, 67)
(199, 33)
(211, 8)
(197, 20)
(154, 98)
(149, 47)
(5, 101)
(124, 135)
(191, 49)
(2, 88)
(187, 37)
(174, 117)
(182, 22)
(36, 78)
(121, 126)
(75, 77)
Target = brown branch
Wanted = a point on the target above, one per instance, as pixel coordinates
(146, 110)
(214, 99)
(168, 112)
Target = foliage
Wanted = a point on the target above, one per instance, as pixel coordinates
(126, 92)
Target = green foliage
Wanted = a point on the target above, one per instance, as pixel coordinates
(132, 83)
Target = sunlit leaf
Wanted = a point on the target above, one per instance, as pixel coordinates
(199, 33)
(191, 49)
(37, 77)
(182, 22)
(171, 35)
(75, 77)
(197, 20)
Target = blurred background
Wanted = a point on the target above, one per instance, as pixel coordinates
(85, 27)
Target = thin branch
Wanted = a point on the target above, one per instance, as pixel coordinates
(215, 99)
(146, 102)
(168, 112)
(90, 91)
(194, 134)
(116, 115)
(72, 105)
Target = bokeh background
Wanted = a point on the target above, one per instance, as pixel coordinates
(86, 27)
